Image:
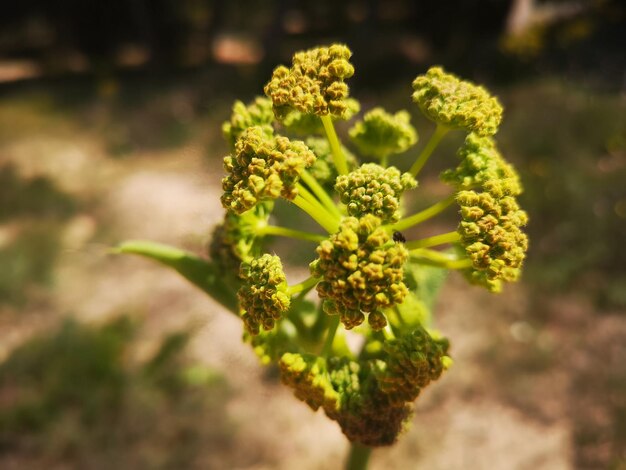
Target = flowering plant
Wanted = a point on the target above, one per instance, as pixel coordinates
(372, 283)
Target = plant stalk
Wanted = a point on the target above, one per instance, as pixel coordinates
(432, 144)
(330, 224)
(338, 157)
(424, 215)
(321, 194)
(359, 456)
(290, 233)
(442, 239)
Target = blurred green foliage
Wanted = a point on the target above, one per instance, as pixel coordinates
(28, 261)
(30, 250)
(31, 197)
(76, 395)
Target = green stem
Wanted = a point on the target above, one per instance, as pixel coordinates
(432, 144)
(308, 195)
(358, 457)
(338, 157)
(330, 336)
(425, 214)
(398, 315)
(435, 258)
(304, 285)
(290, 233)
(384, 161)
(330, 224)
(442, 239)
(388, 332)
(321, 194)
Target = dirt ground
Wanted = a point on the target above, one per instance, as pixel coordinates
(537, 383)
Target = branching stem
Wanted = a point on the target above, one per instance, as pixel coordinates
(442, 239)
(388, 332)
(435, 258)
(425, 214)
(321, 194)
(338, 157)
(290, 233)
(431, 145)
(304, 285)
(317, 213)
(330, 336)
(384, 160)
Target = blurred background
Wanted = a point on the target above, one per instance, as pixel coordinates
(110, 116)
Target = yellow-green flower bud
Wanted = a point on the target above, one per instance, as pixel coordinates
(306, 374)
(314, 84)
(258, 113)
(482, 166)
(491, 236)
(263, 296)
(411, 362)
(362, 271)
(263, 168)
(381, 134)
(372, 189)
(455, 103)
(364, 412)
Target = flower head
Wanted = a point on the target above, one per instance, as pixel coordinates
(306, 374)
(257, 113)
(363, 411)
(263, 296)
(263, 168)
(314, 84)
(492, 238)
(362, 272)
(455, 103)
(372, 189)
(381, 134)
(411, 362)
(482, 166)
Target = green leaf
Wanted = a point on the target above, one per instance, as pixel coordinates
(202, 273)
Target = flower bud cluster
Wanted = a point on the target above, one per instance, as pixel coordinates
(364, 412)
(381, 134)
(258, 113)
(482, 166)
(263, 296)
(454, 103)
(492, 238)
(348, 393)
(314, 84)
(372, 189)
(307, 375)
(411, 363)
(262, 168)
(362, 272)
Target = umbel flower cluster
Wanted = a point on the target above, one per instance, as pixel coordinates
(362, 266)
(356, 337)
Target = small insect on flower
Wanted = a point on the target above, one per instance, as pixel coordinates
(398, 237)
